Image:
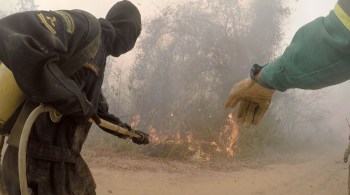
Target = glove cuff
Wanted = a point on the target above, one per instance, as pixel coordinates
(254, 71)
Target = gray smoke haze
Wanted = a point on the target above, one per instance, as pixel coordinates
(336, 102)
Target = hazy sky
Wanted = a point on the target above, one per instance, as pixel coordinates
(304, 11)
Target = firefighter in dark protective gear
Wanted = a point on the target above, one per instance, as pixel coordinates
(58, 58)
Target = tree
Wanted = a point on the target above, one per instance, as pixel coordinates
(191, 55)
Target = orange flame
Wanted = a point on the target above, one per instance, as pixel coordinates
(135, 121)
(203, 150)
(153, 135)
(231, 140)
(178, 138)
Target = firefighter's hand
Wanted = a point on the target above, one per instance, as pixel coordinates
(121, 136)
(345, 159)
(254, 98)
(143, 140)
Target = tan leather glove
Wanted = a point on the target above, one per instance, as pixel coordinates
(255, 99)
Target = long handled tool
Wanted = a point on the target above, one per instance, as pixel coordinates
(22, 153)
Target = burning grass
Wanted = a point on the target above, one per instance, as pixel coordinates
(194, 145)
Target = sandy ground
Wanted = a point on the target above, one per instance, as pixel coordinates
(321, 174)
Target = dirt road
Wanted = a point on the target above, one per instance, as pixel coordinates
(322, 174)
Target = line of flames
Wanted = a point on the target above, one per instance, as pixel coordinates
(225, 143)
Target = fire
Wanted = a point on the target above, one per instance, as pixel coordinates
(189, 137)
(217, 147)
(232, 128)
(135, 121)
(203, 150)
(178, 139)
(153, 135)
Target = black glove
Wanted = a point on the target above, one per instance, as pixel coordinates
(142, 140)
(345, 159)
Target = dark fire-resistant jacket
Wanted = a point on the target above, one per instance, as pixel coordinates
(34, 45)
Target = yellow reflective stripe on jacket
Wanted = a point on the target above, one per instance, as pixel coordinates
(342, 15)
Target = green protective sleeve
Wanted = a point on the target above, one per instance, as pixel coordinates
(317, 57)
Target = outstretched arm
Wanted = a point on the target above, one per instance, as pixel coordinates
(317, 57)
(104, 114)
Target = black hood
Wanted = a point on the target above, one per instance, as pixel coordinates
(120, 28)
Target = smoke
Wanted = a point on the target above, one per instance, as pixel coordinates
(190, 56)
(337, 104)
(185, 63)
(330, 102)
